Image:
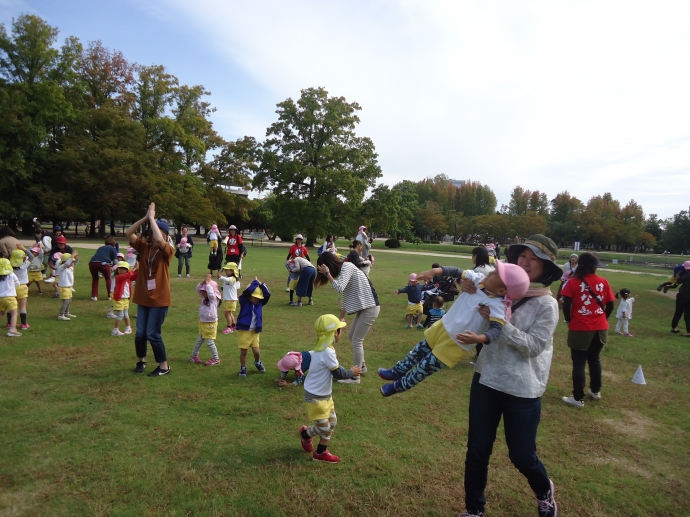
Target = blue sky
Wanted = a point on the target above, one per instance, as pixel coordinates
(585, 96)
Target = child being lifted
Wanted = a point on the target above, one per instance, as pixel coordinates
(451, 339)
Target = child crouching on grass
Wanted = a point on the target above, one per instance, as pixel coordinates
(208, 320)
(250, 323)
(298, 361)
(230, 286)
(65, 272)
(414, 300)
(318, 387)
(450, 339)
(122, 292)
(8, 295)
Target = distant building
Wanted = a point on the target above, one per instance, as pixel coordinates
(457, 183)
(234, 189)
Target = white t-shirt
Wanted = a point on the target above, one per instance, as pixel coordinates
(8, 286)
(463, 314)
(65, 274)
(230, 287)
(22, 272)
(626, 307)
(319, 382)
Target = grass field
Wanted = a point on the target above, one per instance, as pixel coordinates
(80, 434)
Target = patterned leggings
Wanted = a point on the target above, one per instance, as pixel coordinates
(323, 428)
(211, 346)
(418, 364)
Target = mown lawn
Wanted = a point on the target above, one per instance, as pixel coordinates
(80, 434)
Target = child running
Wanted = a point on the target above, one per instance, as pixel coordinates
(414, 300)
(8, 295)
(462, 327)
(208, 320)
(624, 313)
(20, 266)
(230, 286)
(318, 387)
(35, 273)
(250, 323)
(122, 293)
(297, 361)
(65, 272)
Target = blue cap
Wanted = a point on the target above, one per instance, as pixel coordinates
(57, 228)
(163, 226)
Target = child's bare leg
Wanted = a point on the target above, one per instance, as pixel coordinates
(409, 319)
(243, 357)
(116, 325)
(228, 318)
(420, 315)
(232, 318)
(257, 354)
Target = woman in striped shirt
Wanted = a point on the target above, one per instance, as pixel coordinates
(358, 297)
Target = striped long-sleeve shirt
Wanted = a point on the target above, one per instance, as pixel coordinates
(358, 292)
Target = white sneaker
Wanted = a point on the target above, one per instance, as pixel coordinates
(287, 289)
(349, 381)
(13, 333)
(128, 330)
(364, 368)
(187, 276)
(179, 276)
(111, 315)
(63, 318)
(116, 332)
(94, 299)
(50, 280)
(70, 315)
(572, 402)
(594, 395)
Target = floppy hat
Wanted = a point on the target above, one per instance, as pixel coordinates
(36, 248)
(515, 279)
(545, 249)
(291, 361)
(231, 265)
(258, 293)
(65, 257)
(5, 267)
(121, 255)
(163, 226)
(573, 255)
(361, 228)
(325, 327)
(17, 258)
(123, 264)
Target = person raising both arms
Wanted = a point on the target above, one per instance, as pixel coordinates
(152, 294)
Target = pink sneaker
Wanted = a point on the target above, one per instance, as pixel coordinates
(128, 330)
(195, 359)
(26, 326)
(627, 335)
(227, 330)
(212, 362)
(619, 333)
(116, 332)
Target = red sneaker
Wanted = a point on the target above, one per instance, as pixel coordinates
(326, 456)
(306, 444)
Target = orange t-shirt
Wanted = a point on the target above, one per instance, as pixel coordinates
(153, 278)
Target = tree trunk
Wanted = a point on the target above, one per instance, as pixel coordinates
(112, 225)
(92, 230)
(76, 229)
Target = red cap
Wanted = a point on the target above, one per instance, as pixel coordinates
(61, 240)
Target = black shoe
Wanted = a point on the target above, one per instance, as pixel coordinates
(141, 366)
(159, 371)
(661, 286)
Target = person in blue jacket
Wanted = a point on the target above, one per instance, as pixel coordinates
(250, 323)
(413, 289)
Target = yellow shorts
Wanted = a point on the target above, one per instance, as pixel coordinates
(208, 330)
(247, 339)
(293, 284)
(442, 346)
(214, 245)
(65, 293)
(320, 409)
(35, 276)
(22, 292)
(8, 303)
(414, 309)
(121, 305)
(229, 305)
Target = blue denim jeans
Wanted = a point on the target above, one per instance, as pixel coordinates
(305, 284)
(520, 420)
(149, 323)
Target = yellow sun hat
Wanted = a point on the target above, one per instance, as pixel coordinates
(325, 327)
(65, 257)
(123, 264)
(17, 258)
(231, 265)
(258, 293)
(5, 267)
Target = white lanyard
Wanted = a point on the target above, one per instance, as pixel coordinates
(150, 261)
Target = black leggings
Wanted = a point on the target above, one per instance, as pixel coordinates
(682, 309)
(590, 357)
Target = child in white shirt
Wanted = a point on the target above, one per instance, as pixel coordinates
(8, 295)
(230, 286)
(318, 387)
(624, 313)
(20, 266)
(208, 321)
(213, 238)
(65, 273)
(35, 273)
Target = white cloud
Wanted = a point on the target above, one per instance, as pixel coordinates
(587, 96)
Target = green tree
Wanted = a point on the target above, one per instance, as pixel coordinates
(381, 210)
(407, 209)
(316, 164)
(676, 238)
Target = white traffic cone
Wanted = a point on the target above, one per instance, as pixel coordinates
(638, 378)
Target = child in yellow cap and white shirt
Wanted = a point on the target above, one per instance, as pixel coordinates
(8, 295)
(65, 273)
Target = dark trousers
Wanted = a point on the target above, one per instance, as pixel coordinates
(682, 309)
(590, 357)
(305, 284)
(94, 269)
(183, 258)
(149, 323)
(520, 421)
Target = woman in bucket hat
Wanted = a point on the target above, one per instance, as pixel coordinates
(510, 378)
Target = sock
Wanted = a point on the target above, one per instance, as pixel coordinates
(257, 363)
(22, 317)
(321, 448)
(243, 368)
(305, 435)
(291, 294)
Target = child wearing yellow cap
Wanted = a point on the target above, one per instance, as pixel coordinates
(230, 286)
(122, 292)
(318, 387)
(250, 323)
(65, 273)
(20, 266)
(8, 295)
